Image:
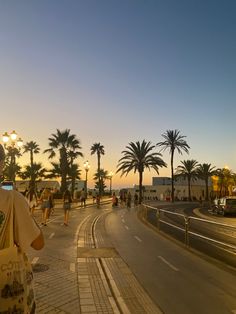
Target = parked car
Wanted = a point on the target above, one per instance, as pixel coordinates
(226, 205)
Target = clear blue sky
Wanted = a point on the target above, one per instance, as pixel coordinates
(121, 71)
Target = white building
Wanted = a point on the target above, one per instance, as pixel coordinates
(161, 189)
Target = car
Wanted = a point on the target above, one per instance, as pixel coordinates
(227, 205)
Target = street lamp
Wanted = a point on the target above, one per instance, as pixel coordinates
(110, 175)
(86, 167)
(13, 144)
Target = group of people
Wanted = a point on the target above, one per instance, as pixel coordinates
(47, 204)
(125, 199)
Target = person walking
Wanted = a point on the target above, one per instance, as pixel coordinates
(129, 200)
(26, 233)
(32, 199)
(51, 205)
(83, 198)
(45, 205)
(67, 200)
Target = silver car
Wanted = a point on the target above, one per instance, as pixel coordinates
(227, 205)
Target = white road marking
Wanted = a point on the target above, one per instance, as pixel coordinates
(127, 227)
(138, 239)
(123, 220)
(34, 260)
(72, 267)
(51, 235)
(167, 263)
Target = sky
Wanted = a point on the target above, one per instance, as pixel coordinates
(121, 71)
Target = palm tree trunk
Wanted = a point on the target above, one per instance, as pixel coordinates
(189, 190)
(64, 167)
(172, 177)
(207, 192)
(140, 187)
(99, 176)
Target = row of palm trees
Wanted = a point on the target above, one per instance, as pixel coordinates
(137, 156)
(65, 148)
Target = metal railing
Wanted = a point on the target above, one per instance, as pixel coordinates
(193, 230)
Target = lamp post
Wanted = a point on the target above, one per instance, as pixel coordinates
(13, 144)
(110, 175)
(86, 167)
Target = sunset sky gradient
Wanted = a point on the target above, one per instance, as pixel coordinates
(120, 71)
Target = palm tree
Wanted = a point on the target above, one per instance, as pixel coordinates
(137, 157)
(173, 140)
(74, 173)
(63, 142)
(188, 170)
(224, 179)
(34, 173)
(204, 172)
(12, 168)
(32, 148)
(98, 149)
(103, 175)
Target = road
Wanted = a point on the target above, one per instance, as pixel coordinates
(177, 280)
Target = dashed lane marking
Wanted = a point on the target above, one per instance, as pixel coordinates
(127, 227)
(51, 235)
(167, 263)
(34, 260)
(138, 239)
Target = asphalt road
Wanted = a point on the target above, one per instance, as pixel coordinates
(177, 280)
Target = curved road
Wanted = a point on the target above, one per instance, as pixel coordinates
(177, 280)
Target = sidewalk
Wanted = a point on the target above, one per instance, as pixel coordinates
(99, 281)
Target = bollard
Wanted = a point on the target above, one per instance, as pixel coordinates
(186, 220)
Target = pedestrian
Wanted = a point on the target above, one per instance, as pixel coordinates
(45, 205)
(83, 198)
(67, 200)
(94, 195)
(129, 200)
(51, 205)
(32, 199)
(18, 232)
(114, 200)
(135, 199)
(98, 200)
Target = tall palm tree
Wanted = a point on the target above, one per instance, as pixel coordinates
(173, 140)
(204, 172)
(137, 157)
(98, 149)
(63, 143)
(32, 148)
(188, 170)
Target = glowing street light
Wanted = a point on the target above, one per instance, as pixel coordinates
(13, 144)
(86, 167)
